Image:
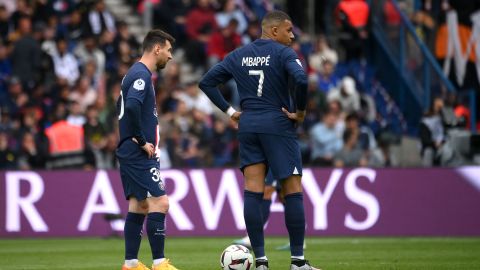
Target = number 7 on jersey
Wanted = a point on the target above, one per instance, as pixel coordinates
(258, 72)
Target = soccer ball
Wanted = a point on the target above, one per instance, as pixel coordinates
(236, 257)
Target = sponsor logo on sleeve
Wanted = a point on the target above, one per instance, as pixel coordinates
(139, 84)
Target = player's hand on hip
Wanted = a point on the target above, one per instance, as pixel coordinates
(149, 149)
(235, 118)
(297, 116)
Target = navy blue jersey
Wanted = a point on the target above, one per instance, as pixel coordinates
(261, 70)
(137, 91)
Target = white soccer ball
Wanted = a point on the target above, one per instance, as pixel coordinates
(236, 257)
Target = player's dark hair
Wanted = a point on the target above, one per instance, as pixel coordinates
(275, 17)
(156, 36)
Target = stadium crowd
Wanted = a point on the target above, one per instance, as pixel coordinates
(62, 63)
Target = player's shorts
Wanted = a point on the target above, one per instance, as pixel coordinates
(281, 154)
(141, 180)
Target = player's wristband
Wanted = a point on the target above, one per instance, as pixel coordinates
(140, 141)
(230, 111)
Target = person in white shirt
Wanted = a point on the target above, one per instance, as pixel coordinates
(65, 64)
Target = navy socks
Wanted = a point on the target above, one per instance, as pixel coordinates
(133, 234)
(252, 212)
(295, 222)
(156, 234)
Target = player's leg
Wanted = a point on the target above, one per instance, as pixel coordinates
(158, 208)
(137, 210)
(284, 157)
(266, 203)
(294, 214)
(133, 232)
(253, 197)
(252, 162)
(295, 221)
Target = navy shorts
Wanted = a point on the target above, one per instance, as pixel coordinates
(281, 154)
(141, 180)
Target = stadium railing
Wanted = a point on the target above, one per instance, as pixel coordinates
(405, 65)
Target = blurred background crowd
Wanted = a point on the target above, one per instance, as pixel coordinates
(62, 62)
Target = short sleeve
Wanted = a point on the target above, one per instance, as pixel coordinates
(139, 87)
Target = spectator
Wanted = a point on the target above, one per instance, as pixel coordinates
(351, 154)
(100, 19)
(124, 35)
(201, 21)
(221, 143)
(326, 141)
(228, 12)
(432, 134)
(347, 95)
(365, 137)
(89, 51)
(353, 17)
(447, 113)
(9, 6)
(8, 158)
(222, 42)
(322, 52)
(75, 28)
(327, 79)
(76, 116)
(252, 33)
(66, 65)
(200, 24)
(66, 145)
(169, 15)
(95, 137)
(108, 159)
(23, 9)
(83, 94)
(107, 46)
(29, 156)
(108, 114)
(26, 54)
(382, 156)
(30, 124)
(17, 98)
(186, 145)
(195, 99)
(45, 73)
(62, 8)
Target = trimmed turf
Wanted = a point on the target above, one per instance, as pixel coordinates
(203, 253)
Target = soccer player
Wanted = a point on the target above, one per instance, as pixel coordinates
(266, 129)
(137, 153)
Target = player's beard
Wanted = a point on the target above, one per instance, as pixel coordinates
(161, 65)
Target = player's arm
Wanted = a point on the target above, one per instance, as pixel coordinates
(217, 75)
(295, 69)
(133, 108)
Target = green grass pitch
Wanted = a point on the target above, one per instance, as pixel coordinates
(203, 253)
